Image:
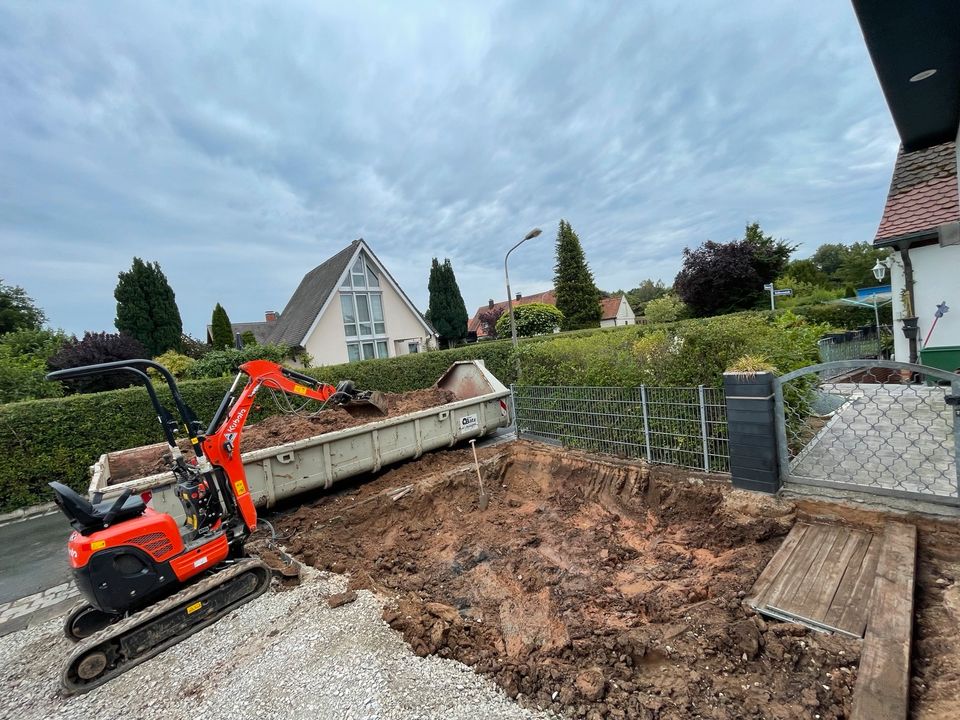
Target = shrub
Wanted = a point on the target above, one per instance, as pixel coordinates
(668, 308)
(191, 347)
(531, 319)
(97, 348)
(23, 364)
(218, 363)
(177, 363)
(249, 338)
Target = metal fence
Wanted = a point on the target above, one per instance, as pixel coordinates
(852, 344)
(685, 426)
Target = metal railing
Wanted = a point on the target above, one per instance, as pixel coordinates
(685, 426)
(852, 345)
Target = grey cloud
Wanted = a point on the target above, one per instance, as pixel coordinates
(241, 148)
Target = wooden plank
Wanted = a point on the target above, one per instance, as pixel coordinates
(815, 598)
(883, 681)
(856, 609)
(844, 592)
(776, 564)
(798, 563)
(807, 560)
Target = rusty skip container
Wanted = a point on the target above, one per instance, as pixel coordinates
(317, 462)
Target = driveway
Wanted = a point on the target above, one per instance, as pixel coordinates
(893, 437)
(34, 556)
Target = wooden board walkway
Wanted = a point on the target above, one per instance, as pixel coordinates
(838, 579)
(822, 576)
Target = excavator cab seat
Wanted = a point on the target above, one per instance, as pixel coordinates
(86, 517)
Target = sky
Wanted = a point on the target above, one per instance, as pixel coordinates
(240, 144)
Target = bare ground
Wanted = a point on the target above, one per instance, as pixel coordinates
(591, 587)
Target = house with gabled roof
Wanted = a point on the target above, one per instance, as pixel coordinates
(616, 311)
(346, 309)
(915, 48)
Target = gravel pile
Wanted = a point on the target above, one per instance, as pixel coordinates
(285, 655)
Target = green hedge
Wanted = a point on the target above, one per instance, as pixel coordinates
(58, 439)
(847, 317)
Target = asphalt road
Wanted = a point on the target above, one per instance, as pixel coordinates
(34, 556)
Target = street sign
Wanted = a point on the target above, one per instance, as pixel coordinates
(768, 286)
(785, 291)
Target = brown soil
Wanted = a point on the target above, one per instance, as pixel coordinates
(592, 587)
(280, 429)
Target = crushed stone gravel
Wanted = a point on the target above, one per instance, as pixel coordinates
(285, 655)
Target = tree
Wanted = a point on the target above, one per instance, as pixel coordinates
(17, 310)
(23, 364)
(147, 308)
(648, 290)
(848, 265)
(488, 320)
(770, 256)
(531, 319)
(577, 295)
(98, 348)
(829, 257)
(719, 278)
(805, 271)
(447, 311)
(666, 309)
(221, 331)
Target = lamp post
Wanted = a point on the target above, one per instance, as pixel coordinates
(513, 325)
(879, 272)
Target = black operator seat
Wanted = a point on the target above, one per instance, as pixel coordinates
(86, 517)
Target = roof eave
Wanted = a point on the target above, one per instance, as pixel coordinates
(908, 239)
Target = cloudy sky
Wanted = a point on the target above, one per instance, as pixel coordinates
(241, 144)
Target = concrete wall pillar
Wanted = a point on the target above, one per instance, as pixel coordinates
(751, 429)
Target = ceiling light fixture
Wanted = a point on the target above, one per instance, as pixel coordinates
(923, 75)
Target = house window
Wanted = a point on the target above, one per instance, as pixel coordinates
(413, 347)
(361, 305)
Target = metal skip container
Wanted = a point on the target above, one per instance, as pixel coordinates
(318, 462)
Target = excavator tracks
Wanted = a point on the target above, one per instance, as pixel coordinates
(129, 642)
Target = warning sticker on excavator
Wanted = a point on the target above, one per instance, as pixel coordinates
(98, 544)
(193, 608)
(300, 389)
(240, 487)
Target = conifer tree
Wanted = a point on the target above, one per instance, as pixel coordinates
(147, 308)
(577, 295)
(447, 311)
(221, 330)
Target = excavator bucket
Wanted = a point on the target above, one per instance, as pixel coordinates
(371, 403)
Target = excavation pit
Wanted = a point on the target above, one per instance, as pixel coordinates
(590, 586)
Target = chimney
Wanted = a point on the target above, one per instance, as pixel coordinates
(490, 304)
(271, 315)
(519, 296)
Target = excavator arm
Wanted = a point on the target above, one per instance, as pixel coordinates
(221, 443)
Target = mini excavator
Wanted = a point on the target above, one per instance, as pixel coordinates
(148, 581)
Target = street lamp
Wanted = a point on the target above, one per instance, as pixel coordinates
(879, 272)
(513, 325)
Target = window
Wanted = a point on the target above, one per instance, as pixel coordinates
(413, 347)
(361, 305)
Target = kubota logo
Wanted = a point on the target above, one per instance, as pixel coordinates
(236, 420)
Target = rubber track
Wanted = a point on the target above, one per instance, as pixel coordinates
(74, 687)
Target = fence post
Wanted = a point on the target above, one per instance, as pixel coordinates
(751, 429)
(646, 420)
(513, 408)
(703, 430)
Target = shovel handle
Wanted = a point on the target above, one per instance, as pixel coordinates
(476, 462)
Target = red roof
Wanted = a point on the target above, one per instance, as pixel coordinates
(923, 192)
(548, 297)
(611, 306)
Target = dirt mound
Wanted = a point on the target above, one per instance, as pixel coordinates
(280, 429)
(593, 588)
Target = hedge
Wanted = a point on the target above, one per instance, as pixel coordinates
(846, 317)
(58, 439)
